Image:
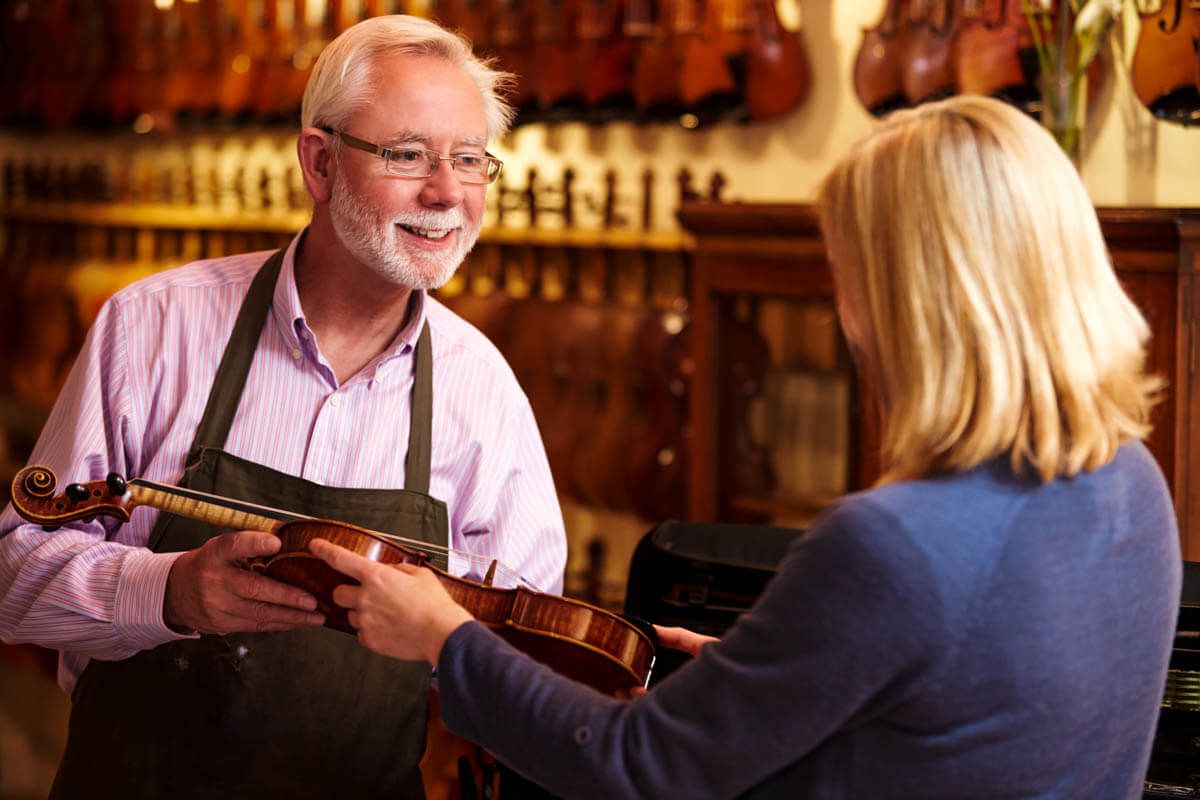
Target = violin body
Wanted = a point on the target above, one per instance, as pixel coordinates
(706, 83)
(556, 71)
(583, 642)
(510, 45)
(605, 58)
(655, 67)
(1166, 69)
(929, 67)
(878, 67)
(994, 52)
(777, 74)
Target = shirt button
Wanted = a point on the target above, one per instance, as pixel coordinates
(583, 735)
(296, 353)
(304, 335)
(335, 401)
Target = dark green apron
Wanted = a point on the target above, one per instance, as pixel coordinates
(305, 713)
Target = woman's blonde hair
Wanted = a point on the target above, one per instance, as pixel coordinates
(344, 77)
(989, 317)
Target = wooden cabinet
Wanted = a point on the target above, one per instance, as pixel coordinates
(749, 255)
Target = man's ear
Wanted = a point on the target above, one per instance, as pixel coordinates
(316, 161)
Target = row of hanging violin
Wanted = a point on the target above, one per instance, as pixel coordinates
(922, 50)
(88, 62)
(600, 340)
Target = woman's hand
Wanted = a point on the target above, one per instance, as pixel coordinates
(689, 642)
(676, 639)
(399, 610)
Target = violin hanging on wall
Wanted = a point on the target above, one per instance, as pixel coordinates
(707, 86)
(929, 63)
(777, 74)
(605, 59)
(655, 68)
(878, 67)
(995, 55)
(585, 643)
(1166, 67)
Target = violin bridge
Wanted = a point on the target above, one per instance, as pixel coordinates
(491, 574)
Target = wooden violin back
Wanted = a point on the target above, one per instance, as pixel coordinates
(605, 59)
(706, 84)
(929, 72)
(1166, 68)
(511, 45)
(777, 73)
(879, 65)
(656, 66)
(994, 53)
(558, 85)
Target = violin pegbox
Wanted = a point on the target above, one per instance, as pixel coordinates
(34, 499)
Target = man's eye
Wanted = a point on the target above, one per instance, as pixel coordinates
(470, 161)
(408, 156)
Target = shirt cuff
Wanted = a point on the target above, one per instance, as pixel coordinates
(141, 589)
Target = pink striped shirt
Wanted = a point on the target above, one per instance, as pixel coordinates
(137, 392)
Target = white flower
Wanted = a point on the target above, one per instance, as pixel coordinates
(1092, 24)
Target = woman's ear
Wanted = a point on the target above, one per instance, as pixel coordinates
(316, 161)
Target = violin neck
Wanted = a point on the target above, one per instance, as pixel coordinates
(222, 512)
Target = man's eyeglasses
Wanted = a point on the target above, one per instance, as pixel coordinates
(417, 162)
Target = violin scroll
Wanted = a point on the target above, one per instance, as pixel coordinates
(34, 499)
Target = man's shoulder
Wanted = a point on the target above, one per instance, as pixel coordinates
(228, 273)
(455, 337)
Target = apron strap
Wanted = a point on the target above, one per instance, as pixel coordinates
(231, 375)
(226, 391)
(420, 433)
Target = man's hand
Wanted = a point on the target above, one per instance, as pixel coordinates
(211, 589)
(399, 610)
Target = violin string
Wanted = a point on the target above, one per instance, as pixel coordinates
(442, 551)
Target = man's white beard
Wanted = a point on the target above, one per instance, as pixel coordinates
(379, 245)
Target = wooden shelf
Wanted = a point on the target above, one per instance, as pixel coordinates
(174, 217)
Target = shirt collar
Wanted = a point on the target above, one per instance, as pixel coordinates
(294, 328)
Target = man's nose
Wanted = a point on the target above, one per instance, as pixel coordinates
(443, 188)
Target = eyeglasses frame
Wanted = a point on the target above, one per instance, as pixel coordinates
(386, 152)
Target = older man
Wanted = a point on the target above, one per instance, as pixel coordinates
(323, 380)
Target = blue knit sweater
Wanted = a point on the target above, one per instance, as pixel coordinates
(974, 635)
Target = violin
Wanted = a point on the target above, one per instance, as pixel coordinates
(655, 67)
(994, 53)
(578, 640)
(929, 67)
(707, 85)
(606, 58)
(1166, 69)
(777, 75)
(878, 76)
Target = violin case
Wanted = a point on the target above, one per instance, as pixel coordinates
(701, 576)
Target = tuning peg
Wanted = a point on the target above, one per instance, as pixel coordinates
(77, 492)
(116, 484)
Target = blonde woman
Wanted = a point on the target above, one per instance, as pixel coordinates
(994, 618)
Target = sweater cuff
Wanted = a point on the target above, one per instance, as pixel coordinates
(141, 589)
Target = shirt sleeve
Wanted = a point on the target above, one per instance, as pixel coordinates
(514, 511)
(86, 587)
(847, 621)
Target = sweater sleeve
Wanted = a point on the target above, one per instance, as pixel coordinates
(839, 633)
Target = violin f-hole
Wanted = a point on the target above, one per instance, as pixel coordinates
(1162, 23)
